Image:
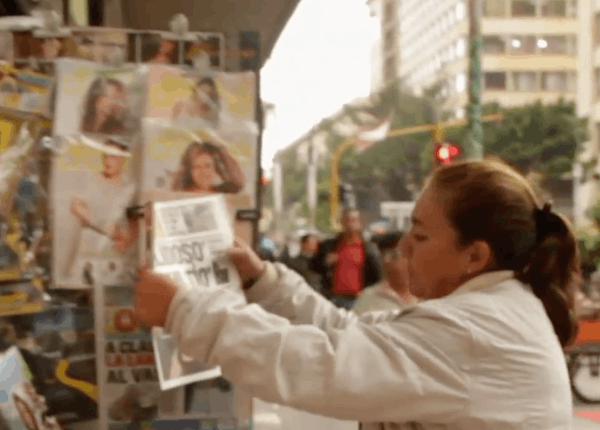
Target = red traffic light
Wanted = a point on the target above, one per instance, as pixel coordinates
(446, 152)
(264, 180)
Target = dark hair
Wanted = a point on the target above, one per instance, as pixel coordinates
(305, 238)
(389, 240)
(150, 48)
(187, 161)
(489, 201)
(99, 88)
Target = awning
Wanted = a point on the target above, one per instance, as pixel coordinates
(269, 17)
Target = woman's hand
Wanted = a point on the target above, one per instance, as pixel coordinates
(248, 264)
(153, 296)
(80, 209)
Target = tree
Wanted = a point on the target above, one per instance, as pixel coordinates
(534, 137)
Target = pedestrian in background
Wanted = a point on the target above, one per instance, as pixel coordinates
(302, 263)
(498, 273)
(393, 292)
(348, 263)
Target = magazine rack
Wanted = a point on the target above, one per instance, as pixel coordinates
(53, 331)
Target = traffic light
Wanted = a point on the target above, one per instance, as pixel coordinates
(347, 196)
(446, 152)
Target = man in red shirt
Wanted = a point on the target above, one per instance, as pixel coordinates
(348, 263)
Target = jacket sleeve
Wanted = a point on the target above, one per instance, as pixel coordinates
(393, 371)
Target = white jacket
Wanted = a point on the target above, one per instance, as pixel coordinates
(484, 357)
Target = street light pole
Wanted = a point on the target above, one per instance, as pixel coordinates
(475, 108)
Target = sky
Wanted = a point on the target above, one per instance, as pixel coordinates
(320, 62)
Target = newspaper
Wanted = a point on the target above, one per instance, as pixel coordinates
(188, 241)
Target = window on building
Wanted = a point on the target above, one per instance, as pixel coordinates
(461, 48)
(495, 80)
(494, 45)
(461, 83)
(460, 11)
(523, 8)
(523, 44)
(572, 41)
(555, 81)
(553, 44)
(525, 81)
(572, 9)
(572, 82)
(597, 28)
(554, 8)
(494, 8)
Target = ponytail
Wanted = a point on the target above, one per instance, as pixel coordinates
(552, 270)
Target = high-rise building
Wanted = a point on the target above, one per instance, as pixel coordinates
(529, 52)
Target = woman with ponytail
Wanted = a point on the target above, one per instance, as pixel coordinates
(497, 271)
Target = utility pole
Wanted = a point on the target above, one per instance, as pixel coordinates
(475, 108)
(311, 182)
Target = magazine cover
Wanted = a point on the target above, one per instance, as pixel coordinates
(222, 101)
(58, 347)
(23, 200)
(21, 297)
(129, 385)
(94, 99)
(25, 91)
(93, 184)
(21, 406)
(197, 162)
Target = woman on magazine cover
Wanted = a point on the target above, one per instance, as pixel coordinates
(497, 272)
(208, 167)
(204, 103)
(106, 108)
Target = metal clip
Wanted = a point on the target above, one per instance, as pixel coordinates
(52, 26)
(135, 212)
(116, 57)
(54, 144)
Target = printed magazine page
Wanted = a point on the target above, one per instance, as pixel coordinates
(93, 184)
(57, 348)
(98, 100)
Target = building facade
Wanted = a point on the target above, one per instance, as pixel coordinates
(529, 53)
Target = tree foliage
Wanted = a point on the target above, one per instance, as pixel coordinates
(534, 137)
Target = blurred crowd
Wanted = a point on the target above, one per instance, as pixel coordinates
(355, 269)
(364, 270)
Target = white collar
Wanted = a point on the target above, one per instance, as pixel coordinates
(485, 280)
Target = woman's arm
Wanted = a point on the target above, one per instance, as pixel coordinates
(233, 176)
(397, 371)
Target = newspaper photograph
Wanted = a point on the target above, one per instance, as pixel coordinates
(93, 184)
(189, 237)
